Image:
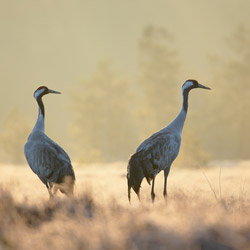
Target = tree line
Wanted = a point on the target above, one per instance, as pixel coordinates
(112, 113)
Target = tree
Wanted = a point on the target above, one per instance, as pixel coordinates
(192, 153)
(112, 116)
(232, 119)
(160, 84)
(103, 108)
(158, 75)
(14, 132)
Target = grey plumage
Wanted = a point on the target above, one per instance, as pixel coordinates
(45, 157)
(158, 152)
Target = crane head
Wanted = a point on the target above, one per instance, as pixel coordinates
(43, 90)
(192, 84)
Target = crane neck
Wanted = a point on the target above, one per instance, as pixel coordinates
(39, 126)
(177, 124)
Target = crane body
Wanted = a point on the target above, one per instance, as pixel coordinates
(158, 152)
(45, 157)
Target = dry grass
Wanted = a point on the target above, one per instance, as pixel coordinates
(100, 216)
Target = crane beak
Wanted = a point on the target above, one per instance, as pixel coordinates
(202, 86)
(54, 92)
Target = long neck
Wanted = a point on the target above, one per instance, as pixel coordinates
(39, 126)
(177, 124)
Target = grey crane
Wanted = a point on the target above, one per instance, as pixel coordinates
(45, 157)
(160, 150)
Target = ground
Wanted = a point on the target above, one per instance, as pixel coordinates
(206, 208)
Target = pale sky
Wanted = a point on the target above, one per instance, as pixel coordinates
(58, 43)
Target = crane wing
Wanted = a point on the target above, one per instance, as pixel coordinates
(149, 142)
(48, 160)
(159, 151)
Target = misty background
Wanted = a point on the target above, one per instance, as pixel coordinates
(120, 66)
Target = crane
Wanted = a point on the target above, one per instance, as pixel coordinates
(45, 157)
(158, 152)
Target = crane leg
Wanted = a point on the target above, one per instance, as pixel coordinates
(166, 172)
(49, 187)
(129, 197)
(152, 190)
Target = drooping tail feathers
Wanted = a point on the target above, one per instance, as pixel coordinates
(138, 168)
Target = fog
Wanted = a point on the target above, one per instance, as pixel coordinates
(61, 43)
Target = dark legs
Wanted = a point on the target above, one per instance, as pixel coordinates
(66, 187)
(49, 187)
(152, 190)
(166, 172)
(52, 189)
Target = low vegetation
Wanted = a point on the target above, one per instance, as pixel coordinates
(100, 217)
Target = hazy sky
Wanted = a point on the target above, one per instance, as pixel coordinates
(58, 43)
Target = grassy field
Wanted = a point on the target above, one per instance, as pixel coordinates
(195, 215)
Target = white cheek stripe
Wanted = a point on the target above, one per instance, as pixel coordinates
(38, 92)
(186, 85)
